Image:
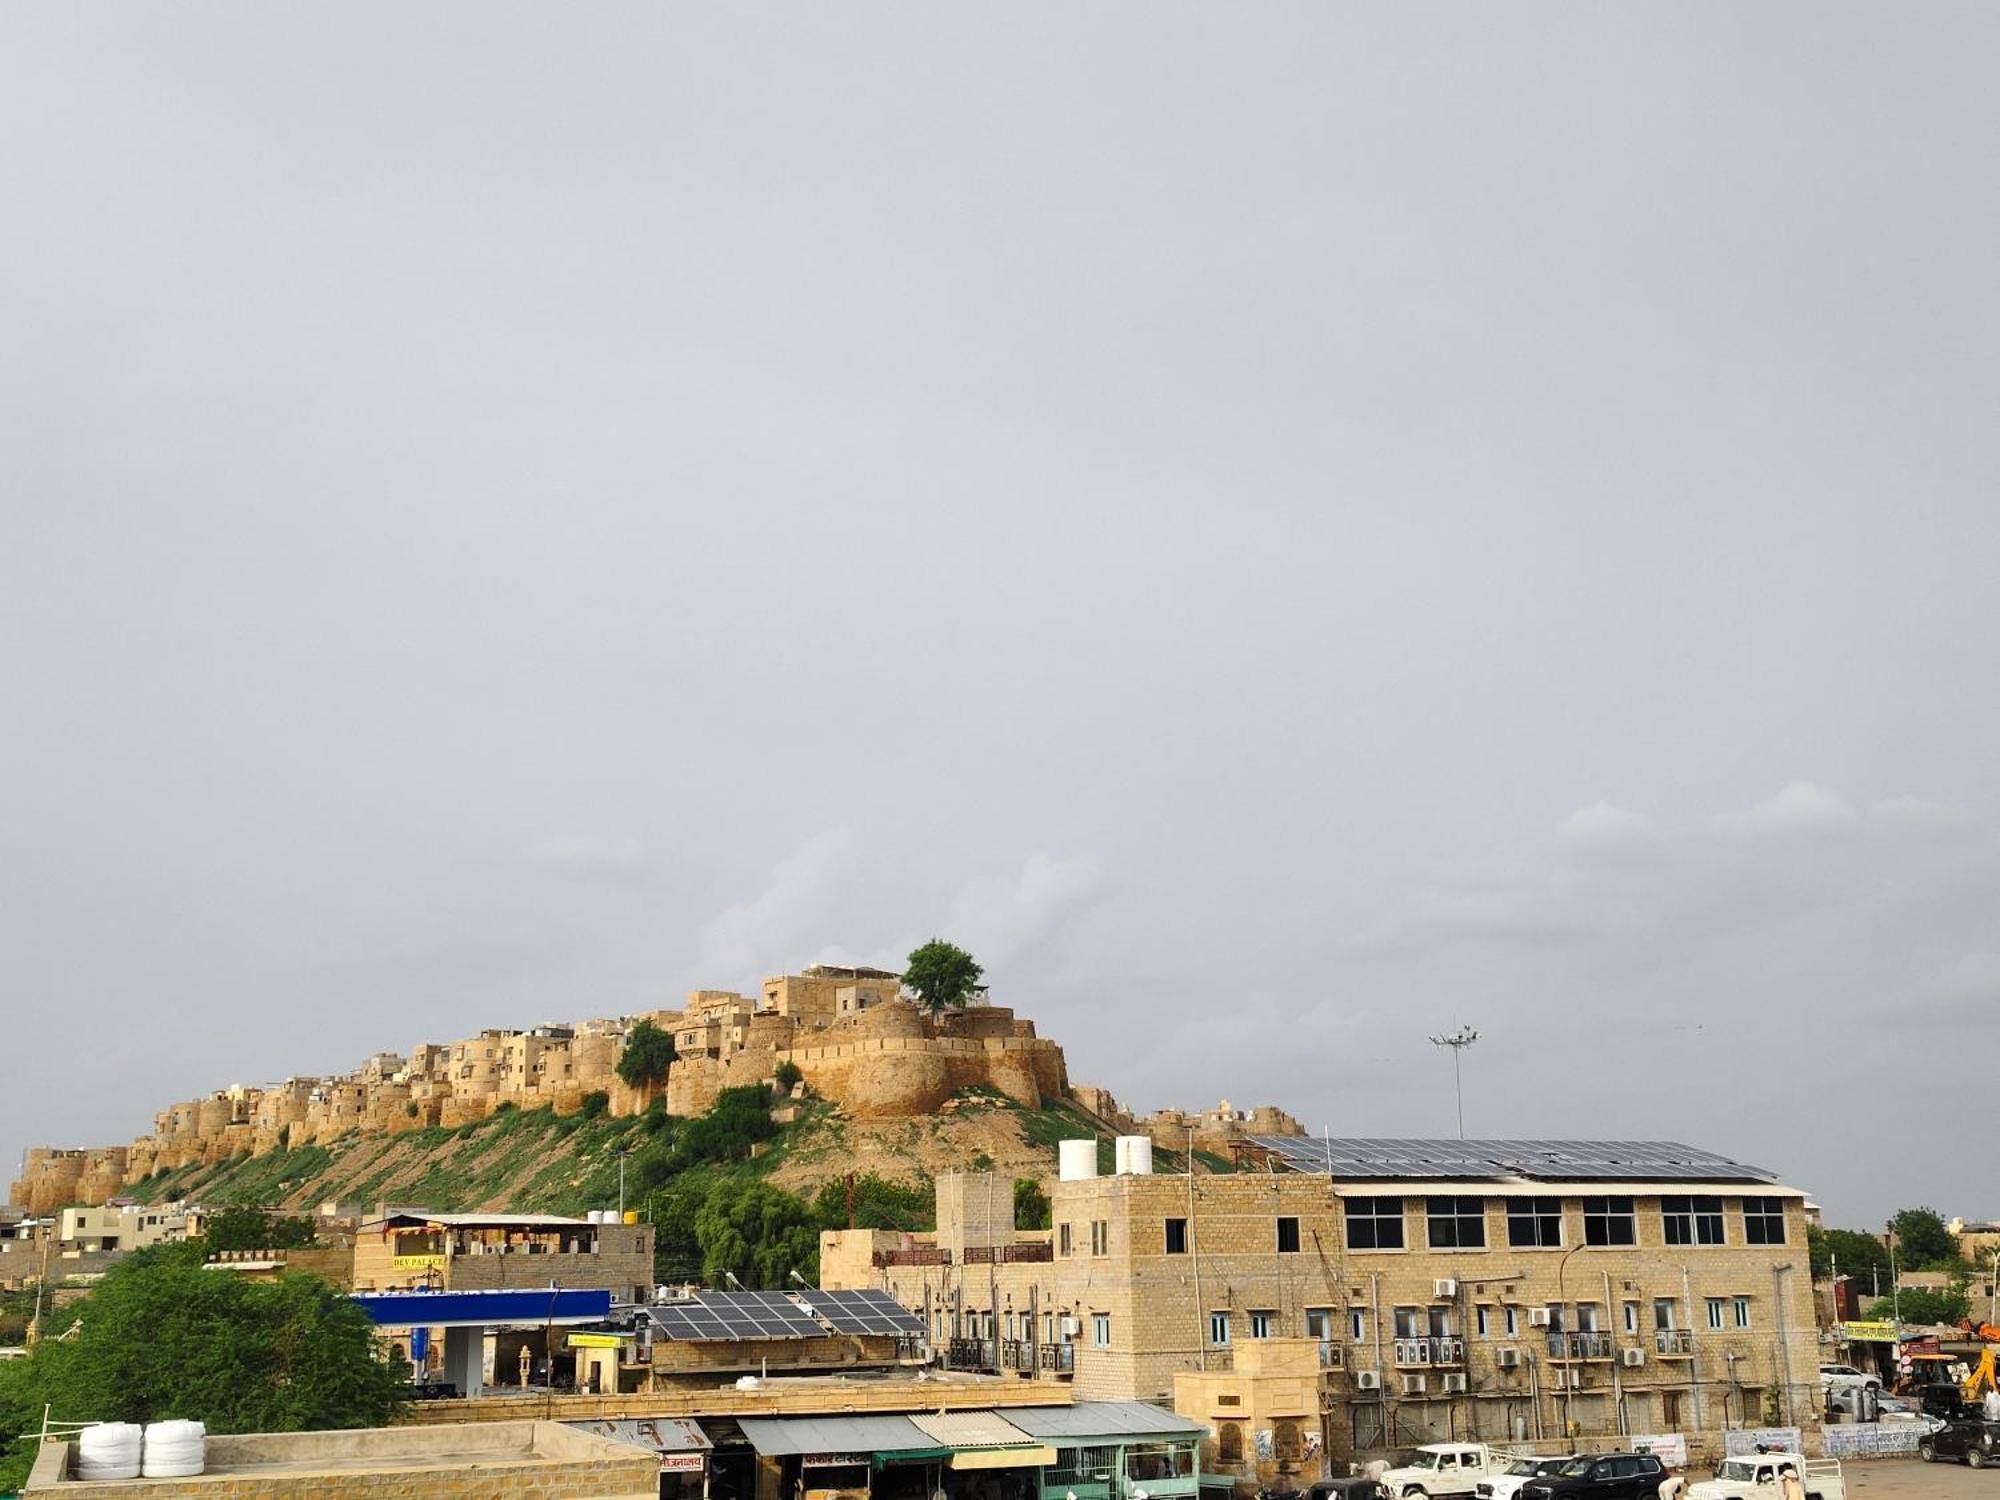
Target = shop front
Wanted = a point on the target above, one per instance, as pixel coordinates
(974, 1455)
(681, 1446)
(1115, 1450)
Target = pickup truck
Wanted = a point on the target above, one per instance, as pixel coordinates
(1439, 1469)
(1755, 1477)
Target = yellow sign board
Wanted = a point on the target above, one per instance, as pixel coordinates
(1870, 1333)
(595, 1340)
(419, 1262)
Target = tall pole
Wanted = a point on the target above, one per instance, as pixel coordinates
(1458, 1041)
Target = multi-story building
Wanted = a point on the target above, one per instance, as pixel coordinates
(502, 1252)
(1492, 1289)
(118, 1226)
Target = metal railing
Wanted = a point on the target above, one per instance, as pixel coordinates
(921, 1255)
(1012, 1354)
(1332, 1356)
(1579, 1346)
(983, 1255)
(1673, 1341)
(1421, 1352)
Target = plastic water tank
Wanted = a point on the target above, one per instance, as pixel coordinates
(1135, 1155)
(1076, 1160)
(110, 1450)
(175, 1450)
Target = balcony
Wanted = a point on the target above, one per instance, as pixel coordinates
(1418, 1354)
(1014, 1354)
(982, 1255)
(1332, 1356)
(1673, 1343)
(919, 1255)
(1579, 1346)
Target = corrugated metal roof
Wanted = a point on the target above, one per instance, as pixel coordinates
(973, 1429)
(1091, 1419)
(774, 1437)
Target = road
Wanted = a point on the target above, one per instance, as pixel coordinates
(1907, 1479)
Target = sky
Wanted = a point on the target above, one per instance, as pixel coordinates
(1286, 530)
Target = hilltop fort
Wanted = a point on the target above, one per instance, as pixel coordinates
(848, 1030)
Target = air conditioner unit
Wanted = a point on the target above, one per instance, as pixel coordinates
(1454, 1385)
(1444, 1288)
(1367, 1380)
(1510, 1359)
(1538, 1317)
(1571, 1378)
(1069, 1328)
(1632, 1356)
(1415, 1385)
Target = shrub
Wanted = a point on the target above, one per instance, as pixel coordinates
(595, 1103)
(788, 1075)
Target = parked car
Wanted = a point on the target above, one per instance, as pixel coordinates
(1348, 1489)
(1438, 1469)
(1600, 1476)
(1507, 1484)
(1846, 1374)
(1755, 1477)
(1970, 1440)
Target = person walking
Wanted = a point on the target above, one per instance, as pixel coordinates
(1790, 1487)
(1672, 1486)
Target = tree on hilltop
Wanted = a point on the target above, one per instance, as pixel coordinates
(942, 976)
(649, 1052)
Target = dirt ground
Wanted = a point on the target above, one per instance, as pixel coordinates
(1907, 1479)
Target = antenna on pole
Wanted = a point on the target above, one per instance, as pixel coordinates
(1458, 1041)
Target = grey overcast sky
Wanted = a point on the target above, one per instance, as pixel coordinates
(1285, 528)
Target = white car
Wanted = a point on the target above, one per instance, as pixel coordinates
(1755, 1477)
(1440, 1469)
(1507, 1483)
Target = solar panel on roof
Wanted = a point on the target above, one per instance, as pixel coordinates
(1538, 1159)
(864, 1311)
(735, 1315)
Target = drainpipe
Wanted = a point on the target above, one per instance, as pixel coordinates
(1784, 1360)
(1694, 1349)
(1535, 1395)
(1617, 1362)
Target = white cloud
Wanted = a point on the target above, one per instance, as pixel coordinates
(999, 918)
(1964, 992)
(1604, 833)
(1805, 810)
(785, 925)
(601, 856)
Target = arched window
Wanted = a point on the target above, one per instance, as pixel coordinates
(1229, 1442)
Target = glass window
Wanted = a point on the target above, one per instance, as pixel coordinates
(1482, 1321)
(1609, 1221)
(1663, 1312)
(1631, 1317)
(1534, 1223)
(1742, 1309)
(1100, 1237)
(1513, 1322)
(1764, 1221)
(1062, 1239)
(1260, 1323)
(1411, 1323)
(1177, 1237)
(1100, 1330)
(1715, 1312)
(1374, 1223)
(1692, 1221)
(1357, 1325)
(1456, 1223)
(1218, 1328)
(1288, 1236)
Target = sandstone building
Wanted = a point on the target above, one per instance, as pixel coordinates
(1448, 1289)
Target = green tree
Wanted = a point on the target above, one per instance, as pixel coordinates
(162, 1338)
(941, 975)
(758, 1233)
(1923, 1241)
(879, 1203)
(1857, 1254)
(648, 1053)
(1031, 1204)
(671, 1210)
(1926, 1304)
(243, 1226)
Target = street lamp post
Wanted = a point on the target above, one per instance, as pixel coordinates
(1457, 1041)
(1569, 1365)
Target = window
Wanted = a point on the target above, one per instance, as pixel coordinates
(1100, 1330)
(1288, 1236)
(1764, 1221)
(1177, 1237)
(1663, 1312)
(1692, 1221)
(1631, 1317)
(1319, 1323)
(1260, 1323)
(1062, 1239)
(1374, 1223)
(1742, 1310)
(1482, 1321)
(1410, 1323)
(1229, 1440)
(1535, 1223)
(1715, 1311)
(1609, 1221)
(1456, 1223)
(1218, 1328)
(1586, 1318)
(1357, 1325)
(1513, 1322)
(1100, 1237)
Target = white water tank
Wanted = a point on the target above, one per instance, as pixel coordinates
(109, 1450)
(174, 1450)
(1134, 1155)
(1076, 1160)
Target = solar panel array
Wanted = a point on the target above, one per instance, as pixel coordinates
(865, 1311)
(1555, 1161)
(735, 1315)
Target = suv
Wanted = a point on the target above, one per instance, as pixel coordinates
(1969, 1440)
(1507, 1485)
(1600, 1476)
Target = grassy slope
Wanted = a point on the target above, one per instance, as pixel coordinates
(529, 1161)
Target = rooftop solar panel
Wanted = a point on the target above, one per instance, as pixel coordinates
(864, 1311)
(1609, 1161)
(735, 1315)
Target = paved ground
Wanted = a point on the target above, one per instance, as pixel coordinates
(1907, 1479)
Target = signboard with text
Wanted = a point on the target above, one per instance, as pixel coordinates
(1863, 1332)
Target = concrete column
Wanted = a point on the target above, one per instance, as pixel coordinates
(465, 1358)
